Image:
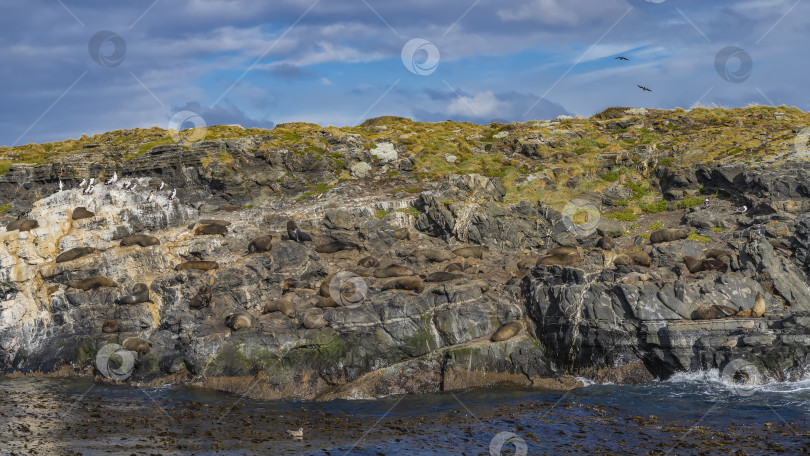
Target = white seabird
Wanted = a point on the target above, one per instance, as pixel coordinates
(298, 435)
(161, 185)
(151, 197)
(81, 185)
(741, 210)
(60, 185)
(92, 179)
(174, 192)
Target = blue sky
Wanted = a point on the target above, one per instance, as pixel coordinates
(73, 67)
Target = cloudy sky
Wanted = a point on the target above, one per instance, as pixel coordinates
(73, 67)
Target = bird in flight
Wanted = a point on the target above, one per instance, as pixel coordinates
(644, 88)
(620, 58)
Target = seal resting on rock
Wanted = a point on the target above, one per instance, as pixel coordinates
(22, 225)
(288, 284)
(564, 250)
(402, 234)
(74, 253)
(757, 311)
(668, 235)
(139, 239)
(211, 229)
(435, 256)
(199, 265)
(81, 212)
(368, 262)
(606, 243)
(336, 246)
(202, 298)
(137, 345)
(623, 259)
(713, 312)
(140, 293)
(692, 264)
(213, 221)
(639, 258)
(239, 320)
(323, 290)
(443, 276)
(285, 306)
(393, 271)
(93, 282)
(260, 244)
(527, 263)
(559, 260)
(456, 267)
(325, 301)
(405, 283)
(313, 319)
(295, 234)
(507, 331)
(475, 251)
(109, 327)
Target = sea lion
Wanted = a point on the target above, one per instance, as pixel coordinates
(402, 234)
(368, 262)
(93, 282)
(22, 225)
(229, 208)
(718, 254)
(714, 265)
(693, 264)
(109, 327)
(140, 293)
(336, 246)
(759, 306)
(213, 221)
(435, 256)
(564, 250)
(260, 244)
(393, 271)
(202, 298)
(713, 312)
(405, 283)
(286, 307)
(623, 259)
(295, 234)
(13, 225)
(137, 345)
(668, 235)
(81, 212)
(559, 260)
(288, 284)
(325, 301)
(507, 331)
(142, 240)
(606, 243)
(443, 276)
(198, 265)
(211, 229)
(239, 320)
(639, 258)
(527, 262)
(313, 319)
(456, 267)
(323, 289)
(475, 251)
(74, 253)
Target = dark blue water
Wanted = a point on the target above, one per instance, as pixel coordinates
(690, 414)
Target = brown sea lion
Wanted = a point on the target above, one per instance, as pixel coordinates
(443, 277)
(336, 246)
(325, 301)
(109, 327)
(527, 262)
(713, 312)
(140, 293)
(142, 240)
(202, 298)
(286, 307)
(137, 345)
(313, 319)
(623, 259)
(759, 306)
(368, 262)
(393, 271)
(323, 289)
(93, 282)
(211, 229)
(456, 267)
(405, 283)
(718, 254)
(606, 243)
(507, 331)
(402, 234)
(13, 225)
(74, 253)
(239, 320)
(22, 225)
(639, 258)
(260, 244)
(435, 255)
(198, 265)
(213, 222)
(559, 260)
(564, 250)
(289, 284)
(693, 264)
(475, 251)
(81, 212)
(668, 235)
(295, 234)
(714, 265)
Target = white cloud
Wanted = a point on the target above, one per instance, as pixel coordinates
(482, 104)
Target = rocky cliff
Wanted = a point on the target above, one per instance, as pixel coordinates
(442, 256)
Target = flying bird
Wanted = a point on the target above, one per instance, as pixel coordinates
(643, 88)
(620, 58)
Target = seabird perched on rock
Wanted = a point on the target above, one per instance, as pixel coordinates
(81, 185)
(620, 58)
(60, 185)
(741, 210)
(297, 435)
(113, 179)
(127, 184)
(92, 179)
(161, 186)
(174, 192)
(295, 234)
(132, 189)
(151, 197)
(89, 190)
(706, 203)
(643, 88)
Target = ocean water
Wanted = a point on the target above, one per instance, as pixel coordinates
(687, 414)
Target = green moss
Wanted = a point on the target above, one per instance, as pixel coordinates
(5, 208)
(698, 238)
(666, 161)
(380, 213)
(5, 165)
(625, 216)
(611, 176)
(690, 201)
(639, 190)
(654, 208)
(718, 229)
(413, 190)
(410, 210)
(655, 226)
